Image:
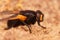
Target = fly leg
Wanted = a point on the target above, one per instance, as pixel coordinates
(40, 24)
(28, 26)
(38, 21)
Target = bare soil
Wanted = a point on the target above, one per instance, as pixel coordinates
(51, 11)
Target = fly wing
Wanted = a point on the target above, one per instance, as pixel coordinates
(7, 17)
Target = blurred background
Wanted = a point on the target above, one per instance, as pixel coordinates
(50, 9)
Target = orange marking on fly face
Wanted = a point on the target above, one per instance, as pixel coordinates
(21, 17)
(41, 17)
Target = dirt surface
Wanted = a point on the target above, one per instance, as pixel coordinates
(51, 11)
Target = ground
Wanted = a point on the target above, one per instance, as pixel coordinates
(50, 9)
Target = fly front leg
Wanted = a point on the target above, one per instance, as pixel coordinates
(41, 25)
(38, 22)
